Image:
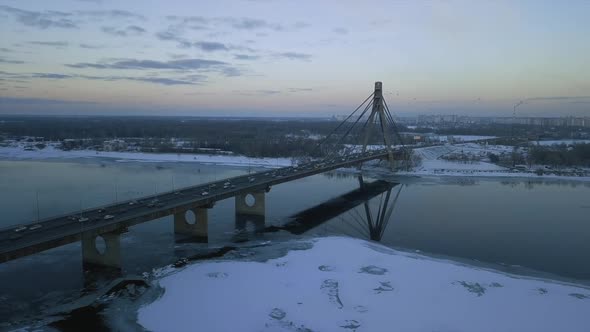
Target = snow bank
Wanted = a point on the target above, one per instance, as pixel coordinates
(346, 284)
(51, 152)
(464, 138)
(432, 164)
(563, 141)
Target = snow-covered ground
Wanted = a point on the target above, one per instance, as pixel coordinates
(432, 163)
(463, 138)
(344, 284)
(18, 152)
(563, 141)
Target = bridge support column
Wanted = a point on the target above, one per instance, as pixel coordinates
(198, 229)
(249, 213)
(109, 257)
(257, 208)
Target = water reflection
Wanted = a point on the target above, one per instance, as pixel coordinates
(307, 220)
(375, 224)
(535, 183)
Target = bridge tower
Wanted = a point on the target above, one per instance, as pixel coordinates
(379, 117)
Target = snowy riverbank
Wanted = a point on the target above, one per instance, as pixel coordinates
(347, 284)
(432, 161)
(51, 152)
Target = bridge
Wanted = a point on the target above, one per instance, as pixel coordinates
(110, 221)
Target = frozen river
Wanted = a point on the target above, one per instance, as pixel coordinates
(515, 225)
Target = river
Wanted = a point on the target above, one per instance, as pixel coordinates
(526, 226)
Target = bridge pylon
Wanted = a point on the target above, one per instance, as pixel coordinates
(251, 212)
(378, 116)
(199, 229)
(110, 257)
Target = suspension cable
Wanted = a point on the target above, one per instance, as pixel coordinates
(354, 124)
(342, 123)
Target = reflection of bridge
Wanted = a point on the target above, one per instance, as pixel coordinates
(110, 221)
(366, 224)
(321, 213)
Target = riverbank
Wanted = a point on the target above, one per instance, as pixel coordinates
(432, 161)
(51, 152)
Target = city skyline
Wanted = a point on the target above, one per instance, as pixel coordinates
(253, 58)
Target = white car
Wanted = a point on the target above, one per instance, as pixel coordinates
(109, 217)
(83, 219)
(20, 229)
(204, 193)
(34, 227)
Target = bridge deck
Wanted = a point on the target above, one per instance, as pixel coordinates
(61, 230)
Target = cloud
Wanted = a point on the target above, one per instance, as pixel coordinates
(41, 19)
(340, 31)
(293, 56)
(49, 43)
(51, 76)
(130, 30)
(155, 80)
(262, 92)
(295, 90)
(12, 101)
(211, 46)
(167, 35)
(66, 20)
(231, 72)
(110, 14)
(178, 56)
(246, 57)
(183, 80)
(558, 98)
(5, 50)
(301, 25)
(90, 46)
(268, 92)
(206, 46)
(182, 64)
(3, 60)
(251, 24)
(238, 23)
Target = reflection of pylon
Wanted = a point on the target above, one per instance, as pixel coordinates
(378, 116)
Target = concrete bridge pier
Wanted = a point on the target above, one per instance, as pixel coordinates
(197, 225)
(251, 204)
(250, 209)
(94, 255)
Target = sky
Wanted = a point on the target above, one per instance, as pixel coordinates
(294, 58)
